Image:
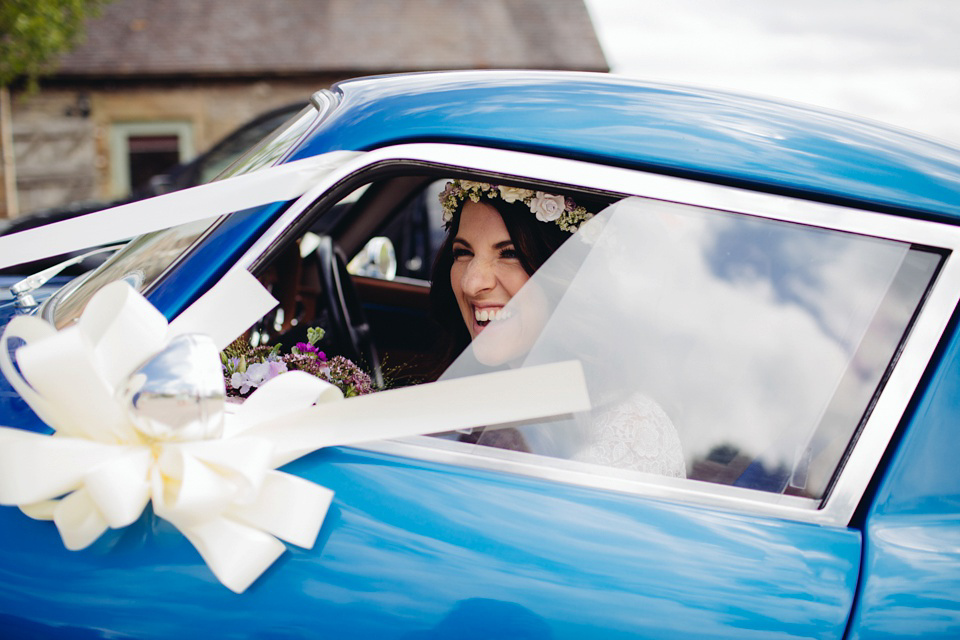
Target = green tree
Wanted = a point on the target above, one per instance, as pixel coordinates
(34, 32)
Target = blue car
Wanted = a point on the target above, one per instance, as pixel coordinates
(778, 283)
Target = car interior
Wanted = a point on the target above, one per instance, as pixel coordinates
(361, 270)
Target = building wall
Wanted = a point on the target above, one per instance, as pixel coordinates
(62, 135)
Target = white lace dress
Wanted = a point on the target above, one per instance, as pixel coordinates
(637, 435)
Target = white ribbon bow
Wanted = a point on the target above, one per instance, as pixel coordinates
(223, 493)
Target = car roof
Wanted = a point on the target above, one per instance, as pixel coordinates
(705, 134)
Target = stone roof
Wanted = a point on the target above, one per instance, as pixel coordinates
(288, 37)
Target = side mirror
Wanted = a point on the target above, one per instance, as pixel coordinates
(376, 260)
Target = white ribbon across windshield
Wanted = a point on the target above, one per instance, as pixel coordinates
(206, 201)
(738, 328)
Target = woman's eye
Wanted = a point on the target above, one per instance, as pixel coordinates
(460, 252)
(509, 253)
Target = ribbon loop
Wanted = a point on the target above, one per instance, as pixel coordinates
(270, 511)
(79, 521)
(237, 554)
(121, 487)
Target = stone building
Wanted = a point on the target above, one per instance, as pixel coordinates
(156, 81)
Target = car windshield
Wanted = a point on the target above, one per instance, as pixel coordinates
(759, 344)
(146, 258)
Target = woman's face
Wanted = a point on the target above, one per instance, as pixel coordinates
(486, 269)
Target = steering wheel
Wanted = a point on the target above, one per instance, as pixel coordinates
(350, 327)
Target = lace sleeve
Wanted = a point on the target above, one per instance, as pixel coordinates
(638, 435)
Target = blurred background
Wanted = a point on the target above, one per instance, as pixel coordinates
(897, 61)
(140, 97)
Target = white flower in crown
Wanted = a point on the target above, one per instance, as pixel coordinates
(512, 194)
(475, 190)
(471, 185)
(589, 231)
(547, 207)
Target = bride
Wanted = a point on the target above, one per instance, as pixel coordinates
(503, 291)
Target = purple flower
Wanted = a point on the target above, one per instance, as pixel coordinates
(305, 348)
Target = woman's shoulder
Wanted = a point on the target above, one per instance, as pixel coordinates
(637, 406)
(637, 434)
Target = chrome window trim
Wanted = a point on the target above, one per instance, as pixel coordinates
(926, 333)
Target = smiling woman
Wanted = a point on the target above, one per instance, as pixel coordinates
(486, 270)
(495, 240)
(498, 236)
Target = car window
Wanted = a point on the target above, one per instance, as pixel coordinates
(758, 345)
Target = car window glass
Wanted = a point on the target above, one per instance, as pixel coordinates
(224, 154)
(758, 345)
(273, 147)
(139, 263)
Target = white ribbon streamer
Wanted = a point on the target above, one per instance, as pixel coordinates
(227, 309)
(224, 494)
(274, 184)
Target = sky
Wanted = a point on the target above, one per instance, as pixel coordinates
(896, 61)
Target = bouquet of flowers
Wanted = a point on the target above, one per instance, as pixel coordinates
(245, 368)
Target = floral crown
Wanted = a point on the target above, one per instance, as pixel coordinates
(548, 207)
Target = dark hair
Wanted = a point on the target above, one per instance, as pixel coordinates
(535, 241)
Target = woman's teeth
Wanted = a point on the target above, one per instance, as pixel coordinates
(487, 315)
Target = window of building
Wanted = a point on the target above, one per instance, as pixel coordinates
(139, 151)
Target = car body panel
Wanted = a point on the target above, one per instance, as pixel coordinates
(14, 411)
(409, 545)
(911, 584)
(712, 135)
